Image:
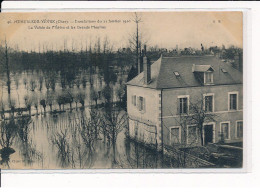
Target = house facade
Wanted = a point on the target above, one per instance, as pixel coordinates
(186, 101)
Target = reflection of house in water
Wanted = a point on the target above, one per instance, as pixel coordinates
(160, 95)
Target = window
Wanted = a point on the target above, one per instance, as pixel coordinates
(208, 77)
(239, 131)
(208, 103)
(223, 70)
(233, 101)
(192, 135)
(176, 73)
(183, 105)
(175, 135)
(141, 103)
(134, 100)
(225, 130)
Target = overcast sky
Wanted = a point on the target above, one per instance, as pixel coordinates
(165, 29)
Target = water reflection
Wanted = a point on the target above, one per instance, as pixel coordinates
(8, 133)
(64, 127)
(73, 140)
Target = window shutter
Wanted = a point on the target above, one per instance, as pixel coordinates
(137, 102)
(144, 107)
(178, 106)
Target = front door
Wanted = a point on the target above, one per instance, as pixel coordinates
(208, 134)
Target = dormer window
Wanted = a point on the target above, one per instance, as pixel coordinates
(203, 73)
(208, 78)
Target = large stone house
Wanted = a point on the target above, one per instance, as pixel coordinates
(161, 101)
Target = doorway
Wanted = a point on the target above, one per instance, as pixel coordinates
(208, 134)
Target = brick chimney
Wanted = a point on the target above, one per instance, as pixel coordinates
(238, 62)
(147, 68)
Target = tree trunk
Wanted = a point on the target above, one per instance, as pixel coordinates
(114, 146)
(7, 69)
(201, 135)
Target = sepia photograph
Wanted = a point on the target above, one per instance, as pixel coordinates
(121, 90)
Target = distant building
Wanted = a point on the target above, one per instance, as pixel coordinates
(162, 93)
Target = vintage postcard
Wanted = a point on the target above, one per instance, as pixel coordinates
(121, 90)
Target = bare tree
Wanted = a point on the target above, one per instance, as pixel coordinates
(7, 68)
(137, 39)
(61, 141)
(113, 122)
(25, 82)
(94, 95)
(95, 121)
(40, 82)
(47, 83)
(191, 130)
(69, 98)
(16, 81)
(43, 104)
(7, 133)
(199, 115)
(81, 98)
(35, 101)
(12, 105)
(120, 92)
(2, 108)
(49, 99)
(32, 85)
(28, 103)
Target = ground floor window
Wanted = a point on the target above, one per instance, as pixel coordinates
(175, 135)
(239, 133)
(192, 134)
(225, 131)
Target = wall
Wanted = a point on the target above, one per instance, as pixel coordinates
(145, 122)
(170, 107)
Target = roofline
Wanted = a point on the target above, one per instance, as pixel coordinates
(184, 87)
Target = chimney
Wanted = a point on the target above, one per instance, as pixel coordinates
(236, 62)
(240, 62)
(140, 64)
(147, 68)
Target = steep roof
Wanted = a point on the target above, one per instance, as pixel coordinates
(163, 72)
(201, 68)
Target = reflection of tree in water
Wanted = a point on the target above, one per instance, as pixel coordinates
(76, 144)
(61, 141)
(17, 129)
(27, 147)
(138, 156)
(8, 132)
(141, 156)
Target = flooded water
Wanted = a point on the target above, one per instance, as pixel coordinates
(71, 137)
(56, 143)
